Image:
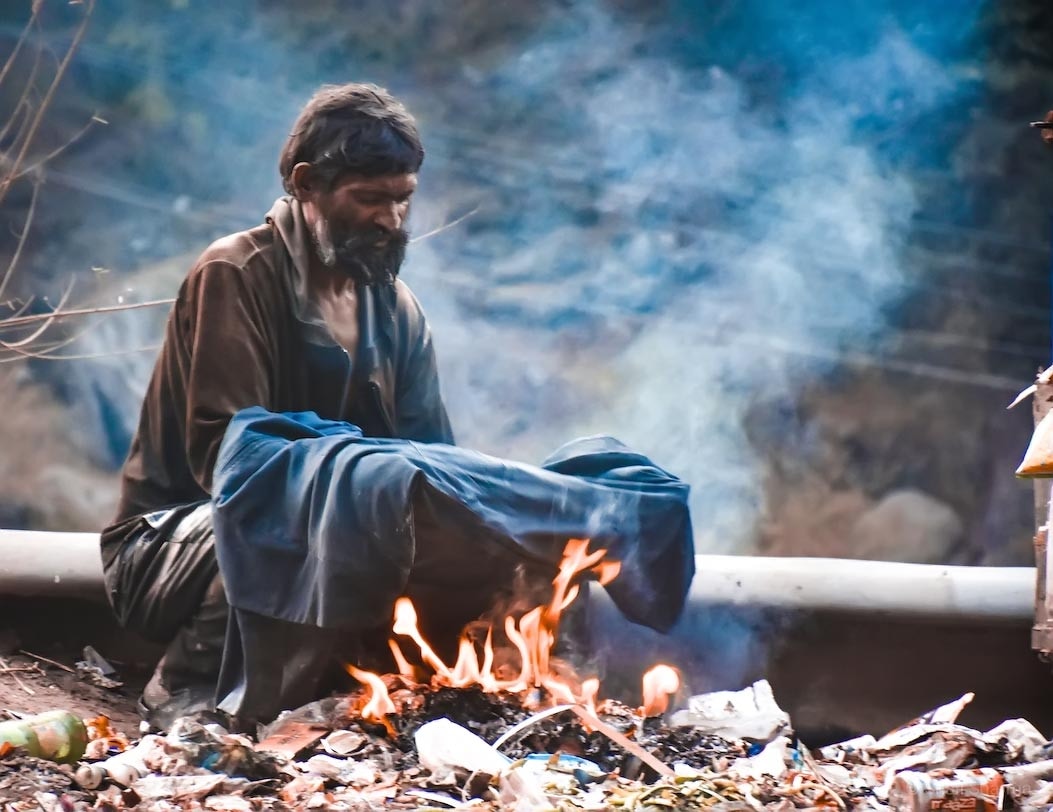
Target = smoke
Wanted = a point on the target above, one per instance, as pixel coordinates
(681, 210)
(684, 210)
(739, 244)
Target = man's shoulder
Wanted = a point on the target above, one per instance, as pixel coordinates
(405, 300)
(243, 249)
(410, 320)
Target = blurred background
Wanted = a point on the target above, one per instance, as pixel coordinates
(799, 254)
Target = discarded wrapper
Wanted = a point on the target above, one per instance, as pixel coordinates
(1020, 739)
(751, 713)
(1038, 459)
(527, 783)
(957, 791)
(443, 745)
(772, 760)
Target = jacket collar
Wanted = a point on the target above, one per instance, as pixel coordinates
(286, 217)
(377, 304)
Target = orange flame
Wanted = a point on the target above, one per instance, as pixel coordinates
(533, 636)
(486, 672)
(379, 704)
(607, 571)
(405, 669)
(520, 643)
(466, 669)
(658, 684)
(590, 688)
(406, 624)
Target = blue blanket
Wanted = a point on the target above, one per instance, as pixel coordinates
(321, 526)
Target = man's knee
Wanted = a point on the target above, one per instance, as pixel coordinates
(165, 573)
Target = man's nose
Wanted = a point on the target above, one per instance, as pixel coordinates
(388, 217)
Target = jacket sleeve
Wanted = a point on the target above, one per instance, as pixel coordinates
(419, 408)
(230, 359)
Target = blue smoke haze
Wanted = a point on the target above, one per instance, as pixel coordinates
(682, 207)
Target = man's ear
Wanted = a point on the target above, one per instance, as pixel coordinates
(304, 184)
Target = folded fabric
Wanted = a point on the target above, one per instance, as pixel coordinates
(319, 525)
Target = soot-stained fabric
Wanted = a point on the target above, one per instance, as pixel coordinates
(321, 526)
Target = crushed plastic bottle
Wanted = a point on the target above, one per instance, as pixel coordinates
(56, 735)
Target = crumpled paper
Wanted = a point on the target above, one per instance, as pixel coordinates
(751, 713)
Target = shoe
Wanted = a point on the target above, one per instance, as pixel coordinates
(160, 708)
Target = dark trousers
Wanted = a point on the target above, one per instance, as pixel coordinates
(163, 583)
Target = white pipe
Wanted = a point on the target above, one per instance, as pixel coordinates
(68, 564)
(865, 587)
(50, 564)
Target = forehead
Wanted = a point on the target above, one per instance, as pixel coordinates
(394, 185)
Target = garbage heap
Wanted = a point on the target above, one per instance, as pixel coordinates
(463, 748)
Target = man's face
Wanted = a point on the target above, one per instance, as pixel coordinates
(358, 225)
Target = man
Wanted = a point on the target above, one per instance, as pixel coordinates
(293, 472)
(303, 313)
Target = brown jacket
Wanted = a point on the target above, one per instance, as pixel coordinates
(242, 333)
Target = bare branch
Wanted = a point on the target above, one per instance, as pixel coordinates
(40, 351)
(24, 307)
(21, 321)
(22, 38)
(11, 345)
(84, 356)
(20, 137)
(21, 239)
(24, 104)
(5, 185)
(60, 149)
(443, 228)
(16, 116)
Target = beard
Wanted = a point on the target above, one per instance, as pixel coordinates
(368, 255)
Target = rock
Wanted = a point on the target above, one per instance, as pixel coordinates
(907, 525)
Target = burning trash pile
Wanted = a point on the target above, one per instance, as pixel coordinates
(522, 732)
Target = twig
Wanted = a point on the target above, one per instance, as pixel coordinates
(18, 141)
(23, 669)
(48, 356)
(59, 149)
(5, 185)
(46, 660)
(23, 307)
(22, 685)
(21, 239)
(22, 39)
(21, 321)
(23, 103)
(13, 119)
(14, 345)
(620, 739)
(443, 228)
(593, 721)
(514, 731)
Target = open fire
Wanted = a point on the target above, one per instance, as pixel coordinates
(533, 636)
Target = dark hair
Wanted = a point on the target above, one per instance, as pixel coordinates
(352, 129)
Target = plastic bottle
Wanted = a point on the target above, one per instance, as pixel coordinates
(55, 735)
(946, 791)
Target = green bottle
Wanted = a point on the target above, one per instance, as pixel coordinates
(55, 735)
